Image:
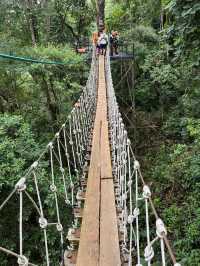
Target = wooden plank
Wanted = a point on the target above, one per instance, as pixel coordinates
(106, 167)
(109, 240)
(88, 252)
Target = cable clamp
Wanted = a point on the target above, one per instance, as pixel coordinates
(21, 184)
(160, 228)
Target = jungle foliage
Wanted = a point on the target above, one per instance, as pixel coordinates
(160, 106)
(165, 109)
(34, 100)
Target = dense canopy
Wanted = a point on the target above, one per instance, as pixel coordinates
(158, 94)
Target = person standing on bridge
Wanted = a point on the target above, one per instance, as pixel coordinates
(114, 40)
(103, 42)
(95, 37)
(111, 42)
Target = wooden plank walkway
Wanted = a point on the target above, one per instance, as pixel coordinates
(99, 241)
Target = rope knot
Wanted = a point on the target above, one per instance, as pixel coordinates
(136, 165)
(129, 184)
(53, 188)
(67, 201)
(124, 196)
(59, 227)
(136, 212)
(128, 142)
(130, 218)
(146, 192)
(22, 261)
(148, 253)
(177, 264)
(43, 222)
(62, 170)
(160, 228)
(63, 125)
(34, 165)
(71, 185)
(50, 145)
(57, 135)
(21, 184)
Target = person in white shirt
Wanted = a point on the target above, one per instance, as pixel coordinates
(103, 42)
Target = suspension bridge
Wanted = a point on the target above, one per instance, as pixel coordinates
(90, 169)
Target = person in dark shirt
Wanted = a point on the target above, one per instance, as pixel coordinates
(114, 40)
(111, 42)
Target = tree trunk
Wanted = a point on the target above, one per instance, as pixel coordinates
(53, 110)
(100, 14)
(32, 21)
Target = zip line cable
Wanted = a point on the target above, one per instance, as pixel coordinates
(36, 61)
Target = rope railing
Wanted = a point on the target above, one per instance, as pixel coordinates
(136, 211)
(60, 167)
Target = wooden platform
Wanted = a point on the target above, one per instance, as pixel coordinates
(99, 240)
(122, 56)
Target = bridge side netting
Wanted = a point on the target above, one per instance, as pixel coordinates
(53, 180)
(143, 233)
